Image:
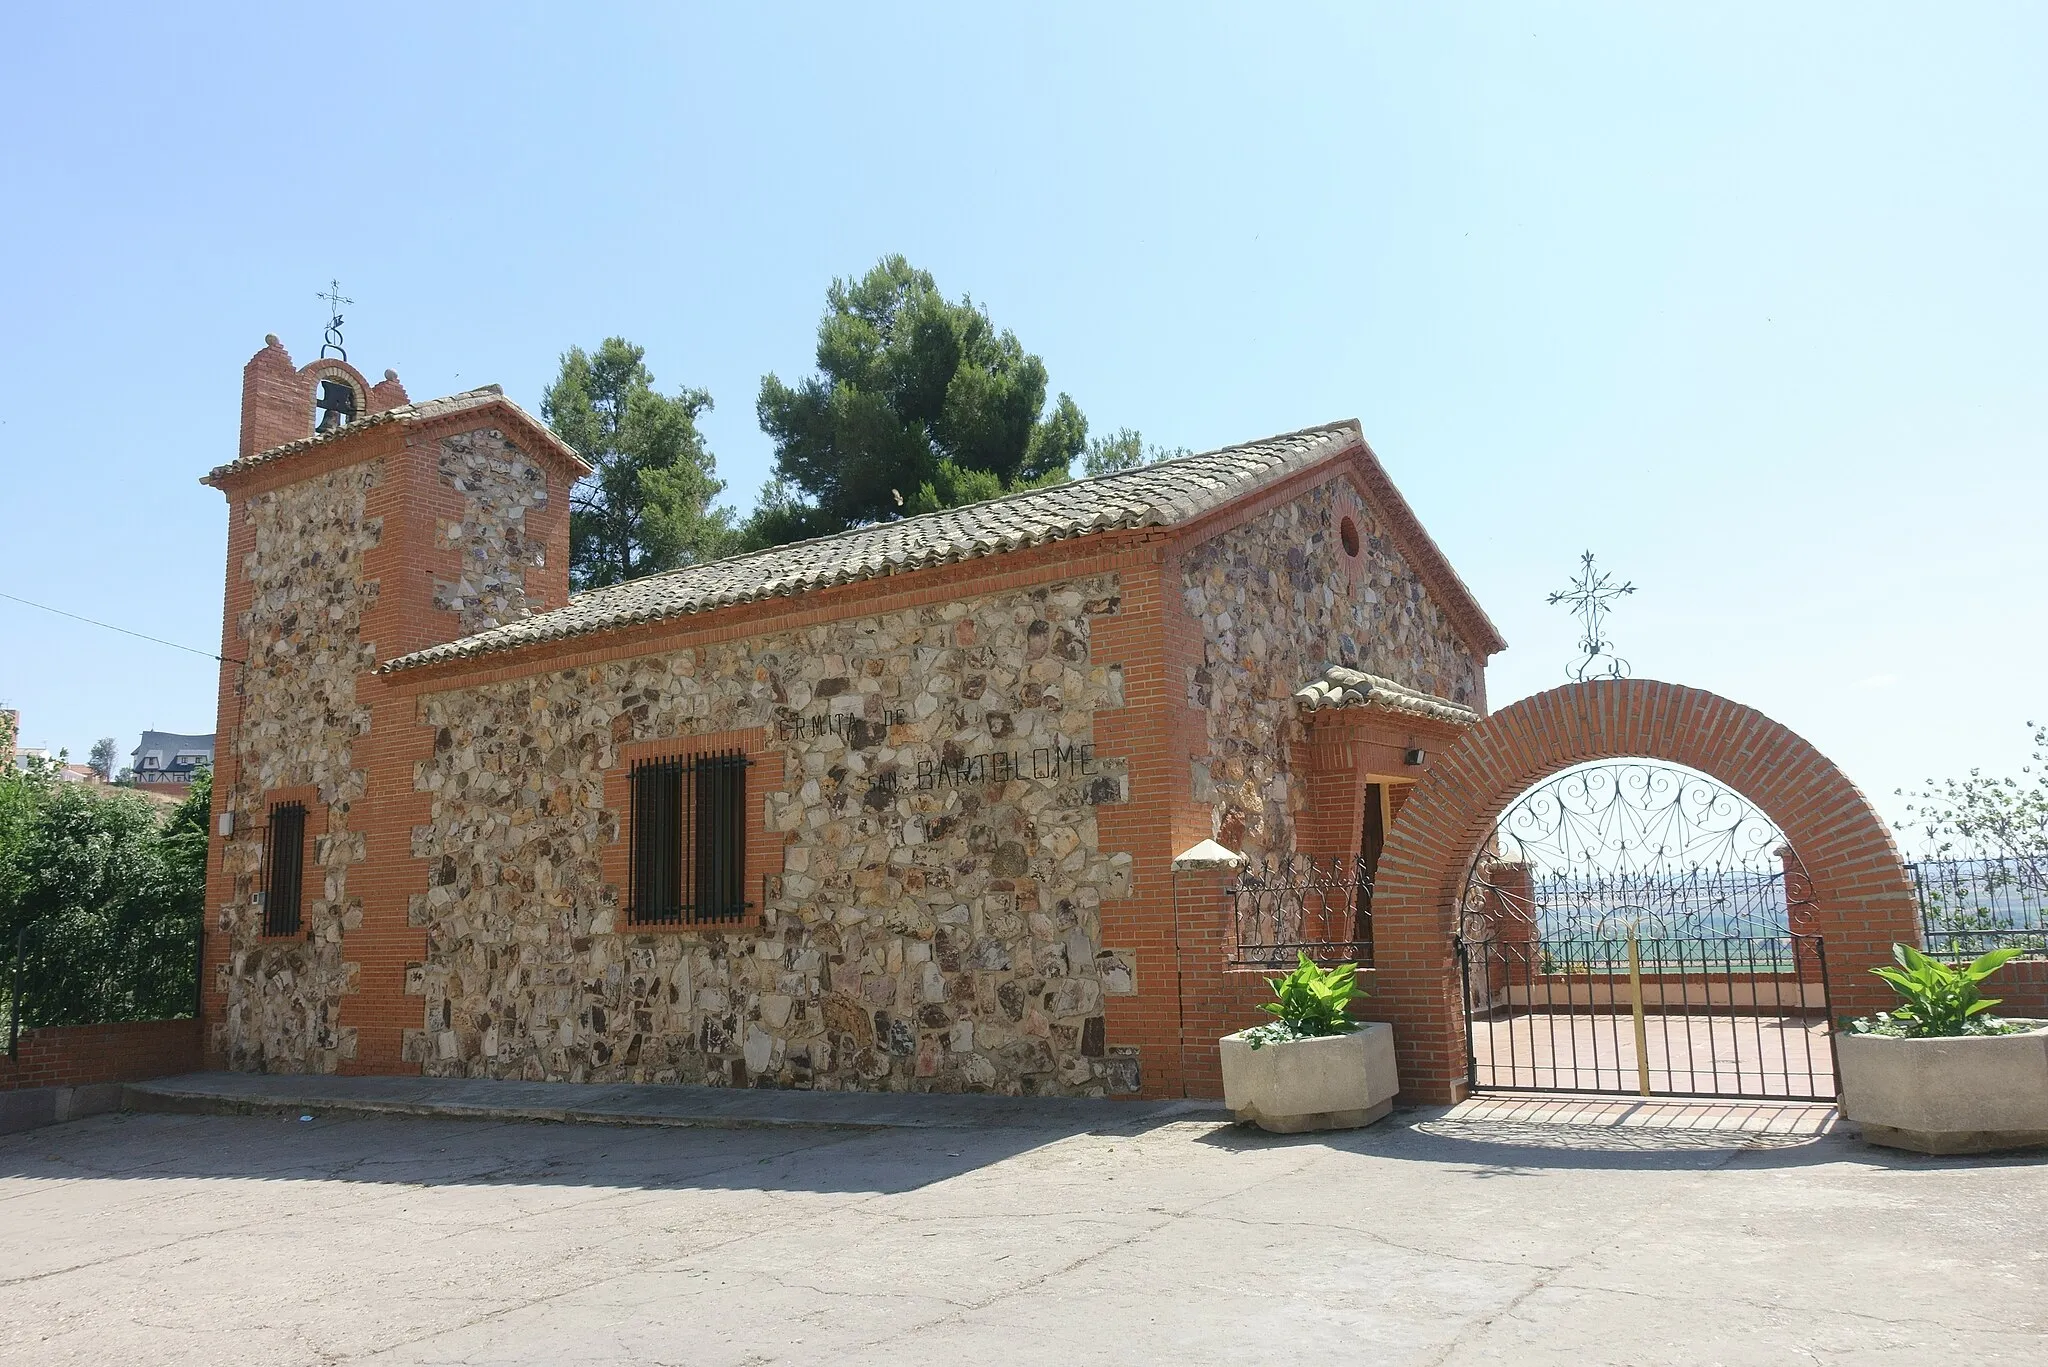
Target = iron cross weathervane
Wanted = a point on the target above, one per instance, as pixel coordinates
(335, 300)
(1589, 597)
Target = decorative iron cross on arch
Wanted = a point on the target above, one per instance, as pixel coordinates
(1589, 597)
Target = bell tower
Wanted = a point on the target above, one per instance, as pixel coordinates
(284, 403)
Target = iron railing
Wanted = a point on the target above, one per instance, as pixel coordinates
(1588, 916)
(1682, 980)
(1300, 905)
(1727, 1015)
(1971, 905)
(55, 979)
(16, 970)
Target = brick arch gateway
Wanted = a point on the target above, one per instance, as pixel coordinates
(1862, 899)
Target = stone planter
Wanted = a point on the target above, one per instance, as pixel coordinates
(1970, 1094)
(1333, 1083)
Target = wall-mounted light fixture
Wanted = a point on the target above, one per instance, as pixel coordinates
(1414, 759)
(227, 824)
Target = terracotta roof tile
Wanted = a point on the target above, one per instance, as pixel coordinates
(1162, 495)
(1341, 687)
(424, 411)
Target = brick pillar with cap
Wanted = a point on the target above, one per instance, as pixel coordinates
(1510, 918)
(1800, 917)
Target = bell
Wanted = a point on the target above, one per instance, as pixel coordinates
(337, 404)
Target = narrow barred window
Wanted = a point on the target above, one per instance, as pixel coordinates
(284, 859)
(689, 840)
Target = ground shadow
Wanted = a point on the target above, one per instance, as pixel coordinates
(435, 1152)
(1506, 1147)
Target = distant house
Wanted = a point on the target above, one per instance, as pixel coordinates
(165, 759)
(14, 755)
(36, 756)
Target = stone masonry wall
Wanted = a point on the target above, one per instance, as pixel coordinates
(932, 921)
(500, 484)
(1278, 600)
(303, 648)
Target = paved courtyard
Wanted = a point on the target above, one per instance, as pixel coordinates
(1749, 1055)
(1496, 1233)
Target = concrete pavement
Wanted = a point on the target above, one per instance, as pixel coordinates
(1486, 1234)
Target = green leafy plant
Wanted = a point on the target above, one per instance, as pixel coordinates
(1309, 1003)
(1938, 999)
(108, 889)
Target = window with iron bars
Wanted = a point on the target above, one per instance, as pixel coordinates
(284, 860)
(688, 817)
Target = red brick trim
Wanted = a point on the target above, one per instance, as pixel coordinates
(1863, 899)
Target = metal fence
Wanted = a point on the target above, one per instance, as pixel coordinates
(1971, 905)
(1714, 1015)
(53, 975)
(1300, 905)
(1590, 917)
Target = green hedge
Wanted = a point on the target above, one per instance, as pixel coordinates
(109, 888)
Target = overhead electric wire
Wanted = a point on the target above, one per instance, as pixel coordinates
(140, 636)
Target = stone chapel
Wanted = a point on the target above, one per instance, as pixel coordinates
(892, 809)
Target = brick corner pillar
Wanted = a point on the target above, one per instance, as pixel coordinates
(1202, 879)
(1510, 913)
(277, 401)
(1417, 990)
(1800, 917)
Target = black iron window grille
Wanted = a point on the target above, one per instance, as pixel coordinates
(284, 861)
(688, 820)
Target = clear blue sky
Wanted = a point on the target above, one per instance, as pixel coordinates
(1751, 302)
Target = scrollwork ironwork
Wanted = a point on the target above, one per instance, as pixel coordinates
(1299, 905)
(1590, 596)
(1609, 849)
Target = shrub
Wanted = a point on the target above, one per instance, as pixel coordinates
(108, 889)
(1939, 1000)
(1309, 1003)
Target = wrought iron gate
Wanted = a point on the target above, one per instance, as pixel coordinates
(1639, 929)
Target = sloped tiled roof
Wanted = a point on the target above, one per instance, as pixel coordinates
(1161, 495)
(1341, 687)
(427, 410)
(1168, 494)
(172, 740)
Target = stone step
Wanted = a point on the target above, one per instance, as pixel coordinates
(642, 1104)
